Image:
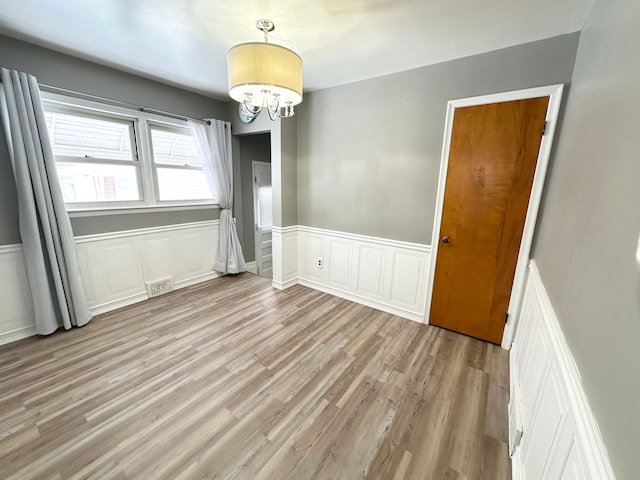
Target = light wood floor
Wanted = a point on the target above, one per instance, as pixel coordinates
(233, 379)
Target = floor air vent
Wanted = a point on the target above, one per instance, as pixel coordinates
(159, 287)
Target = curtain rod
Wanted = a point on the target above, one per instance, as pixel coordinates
(52, 89)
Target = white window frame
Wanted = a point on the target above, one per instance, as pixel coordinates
(141, 150)
(171, 127)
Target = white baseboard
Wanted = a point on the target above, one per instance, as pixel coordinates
(195, 280)
(14, 336)
(362, 300)
(114, 267)
(252, 267)
(284, 285)
(114, 305)
(284, 250)
(124, 302)
(561, 438)
(385, 274)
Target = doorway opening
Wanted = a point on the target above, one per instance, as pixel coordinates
(494, 159)
(257, 209)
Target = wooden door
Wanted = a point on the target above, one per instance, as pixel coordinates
(492, 162)
(263, 217)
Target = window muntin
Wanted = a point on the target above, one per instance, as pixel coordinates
(177, 165)
(95, 157)
(110, 157)
(81, 136)
(173, 146)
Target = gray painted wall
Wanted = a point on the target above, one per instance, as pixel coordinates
(252, 147)
(284, 162)
(60, 70)
(589, 225)
(289, 172)
(369, 152)
(71, 73)
(121, 222)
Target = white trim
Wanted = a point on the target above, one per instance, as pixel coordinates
(252, 267)
(517, 471)
(283, 230)
(122, 302)
(419, 247)
(587, 424)
(388, 275)
(284, 285)
(11, 248)
(17, 322)
(195, 280)
(142, 122)
(144, 231)
(15, 335)
(385, 307)
(555, 94)
(140, 297)
(284, 254)
(540, 344)
(101, 212)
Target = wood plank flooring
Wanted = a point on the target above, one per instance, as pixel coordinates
(233, 379)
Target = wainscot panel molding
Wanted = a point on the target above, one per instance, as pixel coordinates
(552, 430)
(388, 275)
(284, 244)
(16, 315)
(117, 266)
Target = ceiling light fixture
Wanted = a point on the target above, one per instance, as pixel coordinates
(265, 75)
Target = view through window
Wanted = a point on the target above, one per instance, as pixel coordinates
(107, 159)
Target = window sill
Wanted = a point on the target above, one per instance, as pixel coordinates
(97, 212)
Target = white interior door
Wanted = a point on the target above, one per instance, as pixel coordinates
(263, 217)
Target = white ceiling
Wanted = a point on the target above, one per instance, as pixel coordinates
(184, 42)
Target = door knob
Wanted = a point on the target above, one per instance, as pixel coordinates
(445, 239)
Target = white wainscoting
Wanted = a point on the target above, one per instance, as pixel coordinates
(16, 314)
(559, 436)
(115, 267)
(385, 274)
(284, 243)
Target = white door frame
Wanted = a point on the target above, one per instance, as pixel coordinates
(555, 96)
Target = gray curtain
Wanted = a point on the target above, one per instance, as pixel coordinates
(214, 146)
(45, 230)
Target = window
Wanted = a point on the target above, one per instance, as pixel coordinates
(265, 215)
(177, 165)
(108, 157)
(95, 157)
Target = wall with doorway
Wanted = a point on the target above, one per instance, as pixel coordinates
(252, 147)
(369, 152)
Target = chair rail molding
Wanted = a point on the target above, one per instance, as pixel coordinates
(389, 275)
(284, 244)
(116, 266)
(549, 414)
